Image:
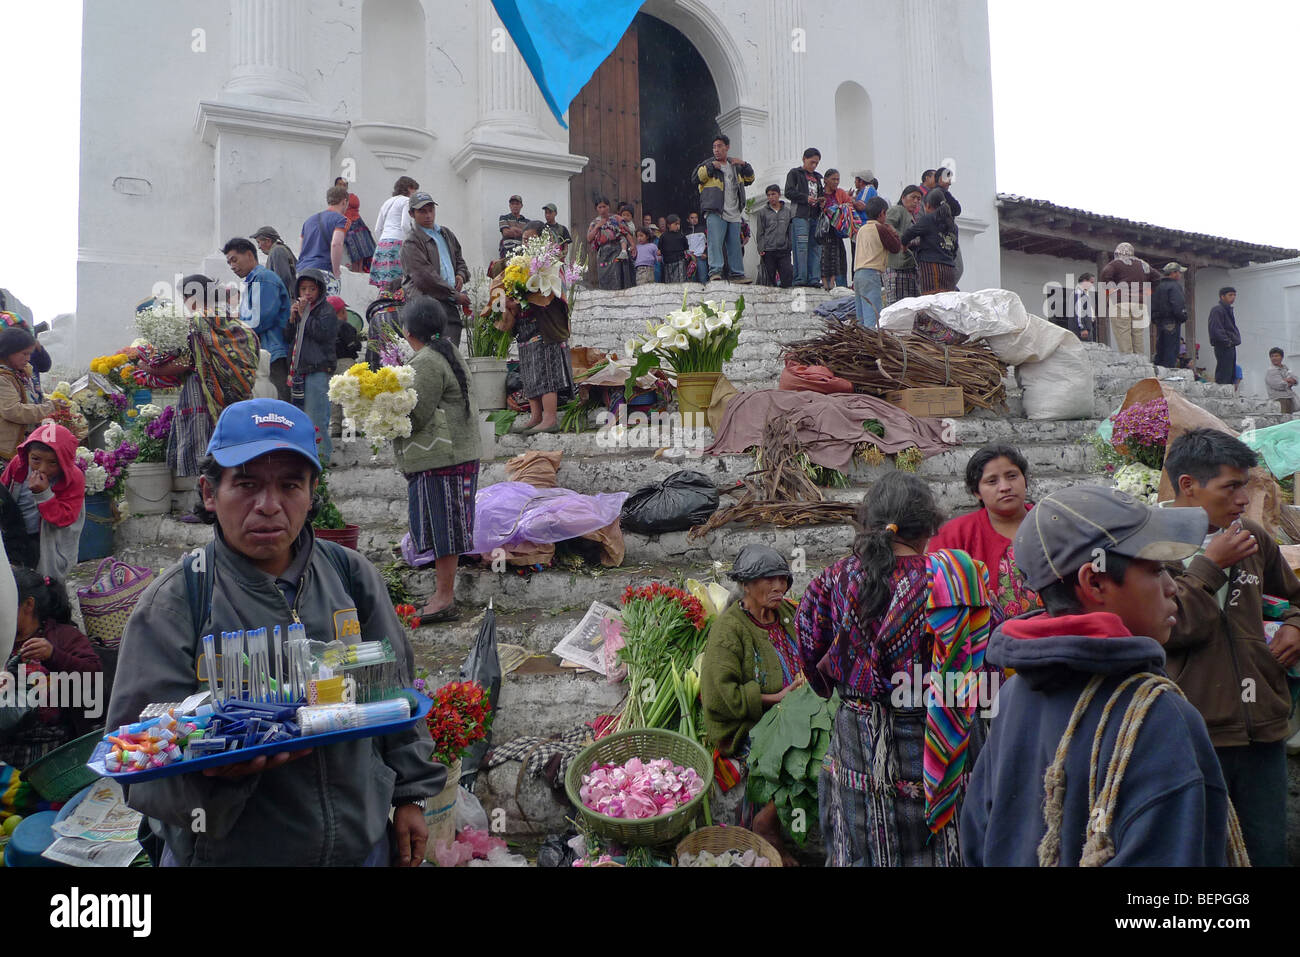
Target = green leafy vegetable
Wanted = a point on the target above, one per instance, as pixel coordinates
(785, 756)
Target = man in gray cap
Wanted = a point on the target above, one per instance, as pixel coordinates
(1169, 312)
(558, 232)
(432, 263)
(1096, 558)
(279, 257)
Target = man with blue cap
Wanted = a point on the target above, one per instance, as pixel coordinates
(266, 568)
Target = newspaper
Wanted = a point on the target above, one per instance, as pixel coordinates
(82, 853)
(584, 645)
(102, 816)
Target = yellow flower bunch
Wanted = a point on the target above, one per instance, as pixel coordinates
(373, 383)
(106, 364)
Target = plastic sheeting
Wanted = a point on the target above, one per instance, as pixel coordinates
(1052, 366)
(1279, 445)
(512, 512)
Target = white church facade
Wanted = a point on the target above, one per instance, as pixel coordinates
(203, 120)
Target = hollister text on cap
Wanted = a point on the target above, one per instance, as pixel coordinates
(256, 427)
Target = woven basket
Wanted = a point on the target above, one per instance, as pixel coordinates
(63, 772)
(716, 840)
(646, 744)
(108, 601)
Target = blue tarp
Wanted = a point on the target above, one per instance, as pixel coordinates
(563, 43)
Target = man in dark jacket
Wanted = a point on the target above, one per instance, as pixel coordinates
(1225, 337)
(1168, 312)
(803, 188)
(328, 806)
(1220, 652)
(774, 240)
(433, 264)
(1109, 608)
(722, 180)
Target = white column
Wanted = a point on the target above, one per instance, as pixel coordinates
(508, 97)
(268, 43)
(921, 24)
(787, 107)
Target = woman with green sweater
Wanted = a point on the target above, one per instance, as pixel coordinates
(441, 457)
(750, 663)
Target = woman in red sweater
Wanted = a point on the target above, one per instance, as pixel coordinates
(997, 475)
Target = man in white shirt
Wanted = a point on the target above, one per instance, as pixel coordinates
(1279, 381)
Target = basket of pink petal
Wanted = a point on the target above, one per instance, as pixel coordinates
(642, 787)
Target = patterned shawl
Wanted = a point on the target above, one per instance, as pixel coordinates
(958, 613)
(225, 358)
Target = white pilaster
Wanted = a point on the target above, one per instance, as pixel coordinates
(921, 144)
(785, 71)
(268, 44)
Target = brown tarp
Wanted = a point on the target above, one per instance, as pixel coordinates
(829, 427)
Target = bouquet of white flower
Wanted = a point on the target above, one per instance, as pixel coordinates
(165, 327)
(696, 339)
(377, 404)
(96, 475)
(1140, 481)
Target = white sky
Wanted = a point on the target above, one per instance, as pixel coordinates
(1174, 113)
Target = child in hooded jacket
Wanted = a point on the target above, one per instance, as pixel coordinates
(43, 473)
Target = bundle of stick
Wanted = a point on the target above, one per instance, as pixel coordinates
(780, 493)
(879, 362)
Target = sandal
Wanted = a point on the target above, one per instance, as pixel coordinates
(450, 613)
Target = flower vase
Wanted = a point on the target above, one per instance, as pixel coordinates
(440, 811)
(695, 395)
(347, 536)
(488, 380)
(96, 540)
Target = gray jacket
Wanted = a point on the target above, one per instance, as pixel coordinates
(329, 808)
(773, 228)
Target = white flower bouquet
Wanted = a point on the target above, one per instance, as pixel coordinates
(164, 327)
(695, 339)
(1140, 481)
(377, 404)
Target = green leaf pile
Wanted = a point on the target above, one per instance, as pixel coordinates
(785, 756)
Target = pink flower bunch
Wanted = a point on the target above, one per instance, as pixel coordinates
(470, 844)
(116, 461)
(118, 401)
(161, 427)
(583, 862)
(1141, 431)
(639, 789)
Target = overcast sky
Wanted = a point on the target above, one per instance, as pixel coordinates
(1169, 113)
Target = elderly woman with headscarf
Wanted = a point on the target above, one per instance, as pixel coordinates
(750, 663)
(1127, 280)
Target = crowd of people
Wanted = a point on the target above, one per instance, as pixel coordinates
(1097, 616)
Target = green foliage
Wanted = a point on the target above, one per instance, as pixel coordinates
(785, 756)
(875, 427)
(502, 420)
(486, 341)
(329, 515)
(909, 460)
(398, 593)
(575, 414)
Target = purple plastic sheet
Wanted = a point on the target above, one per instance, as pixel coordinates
(509, 513)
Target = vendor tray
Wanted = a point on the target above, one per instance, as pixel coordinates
(96, 762)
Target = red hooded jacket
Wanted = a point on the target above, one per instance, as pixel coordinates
(70, 490)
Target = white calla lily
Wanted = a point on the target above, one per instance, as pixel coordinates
(631, 346)
(696, 331)
(665, 331)
(680, 341)
(712, 323)
(546, 281)
(680, 320)
(649, 346)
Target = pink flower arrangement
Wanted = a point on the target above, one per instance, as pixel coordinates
(115, 462)
(639, 789)
(1141, 431)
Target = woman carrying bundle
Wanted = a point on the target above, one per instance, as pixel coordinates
(869, 625)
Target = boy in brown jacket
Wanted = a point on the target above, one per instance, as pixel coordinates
(1218, 652)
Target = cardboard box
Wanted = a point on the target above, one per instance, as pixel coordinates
(944, 402)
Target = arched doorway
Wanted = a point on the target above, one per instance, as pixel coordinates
(645, 118)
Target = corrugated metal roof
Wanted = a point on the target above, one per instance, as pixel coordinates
(1257, 251)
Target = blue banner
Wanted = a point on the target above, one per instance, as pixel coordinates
(564, 43)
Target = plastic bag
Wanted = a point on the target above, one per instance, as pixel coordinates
(510, 512)
(980, 315)
(1279, 445)
(682, 500)
(469, 811)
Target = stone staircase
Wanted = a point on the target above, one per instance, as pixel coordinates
(535, 610)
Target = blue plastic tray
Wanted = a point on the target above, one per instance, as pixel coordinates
(96, 762)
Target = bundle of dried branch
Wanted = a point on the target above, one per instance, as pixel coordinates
(879, 362)
(780, 493)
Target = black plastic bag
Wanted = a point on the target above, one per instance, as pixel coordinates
(682, 500)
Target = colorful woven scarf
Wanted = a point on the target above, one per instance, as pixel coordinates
(958, 614)
(225, 358)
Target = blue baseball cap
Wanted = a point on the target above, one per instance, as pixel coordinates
(255, 427)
